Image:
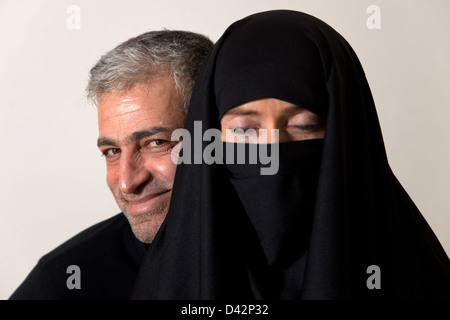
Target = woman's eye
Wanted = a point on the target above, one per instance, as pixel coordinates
(308, 127)
(242, 130)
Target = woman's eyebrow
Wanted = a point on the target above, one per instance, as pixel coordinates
(294, 108)
(245, 112)
(242, 112)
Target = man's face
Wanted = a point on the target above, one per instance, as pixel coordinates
(135, 128)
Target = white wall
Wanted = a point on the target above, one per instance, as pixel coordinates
(52, 178)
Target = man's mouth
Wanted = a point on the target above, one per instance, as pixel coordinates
(143, 199)
(153, 202)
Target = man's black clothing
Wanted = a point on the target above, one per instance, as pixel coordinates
(108, 256)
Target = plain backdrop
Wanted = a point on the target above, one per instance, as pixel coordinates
(52, 177)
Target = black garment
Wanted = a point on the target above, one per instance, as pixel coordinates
(280, 212)
(108, 255)
(209, 246)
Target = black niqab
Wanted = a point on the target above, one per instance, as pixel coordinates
(279, 207)
(211, 247)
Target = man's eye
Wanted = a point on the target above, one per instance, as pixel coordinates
(111, 152)
(157, 143)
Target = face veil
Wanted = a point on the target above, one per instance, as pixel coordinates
(210, 246)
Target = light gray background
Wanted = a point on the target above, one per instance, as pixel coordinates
(52, 178)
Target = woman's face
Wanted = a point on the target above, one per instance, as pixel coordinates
(262, 115)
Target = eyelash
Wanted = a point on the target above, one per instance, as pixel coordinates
(233, 130)
(305, 127)
(105, 153)
(155, 140)
(314, 126)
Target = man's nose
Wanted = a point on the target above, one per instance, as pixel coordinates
(132, 174)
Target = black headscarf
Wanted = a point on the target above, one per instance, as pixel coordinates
(221, 238)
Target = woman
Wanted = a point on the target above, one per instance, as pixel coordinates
(332, 223)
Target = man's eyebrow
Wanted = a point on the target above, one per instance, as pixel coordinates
(106, 142)
(135, 136)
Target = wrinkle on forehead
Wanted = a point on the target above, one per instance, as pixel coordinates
(111, 108)
(128, 100)
(124, 109)
(141, 97)
(121, 113)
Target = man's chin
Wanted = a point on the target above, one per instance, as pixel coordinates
(145, 229)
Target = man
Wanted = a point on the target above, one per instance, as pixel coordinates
(142, 89)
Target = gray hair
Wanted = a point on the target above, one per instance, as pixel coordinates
(147, 56)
